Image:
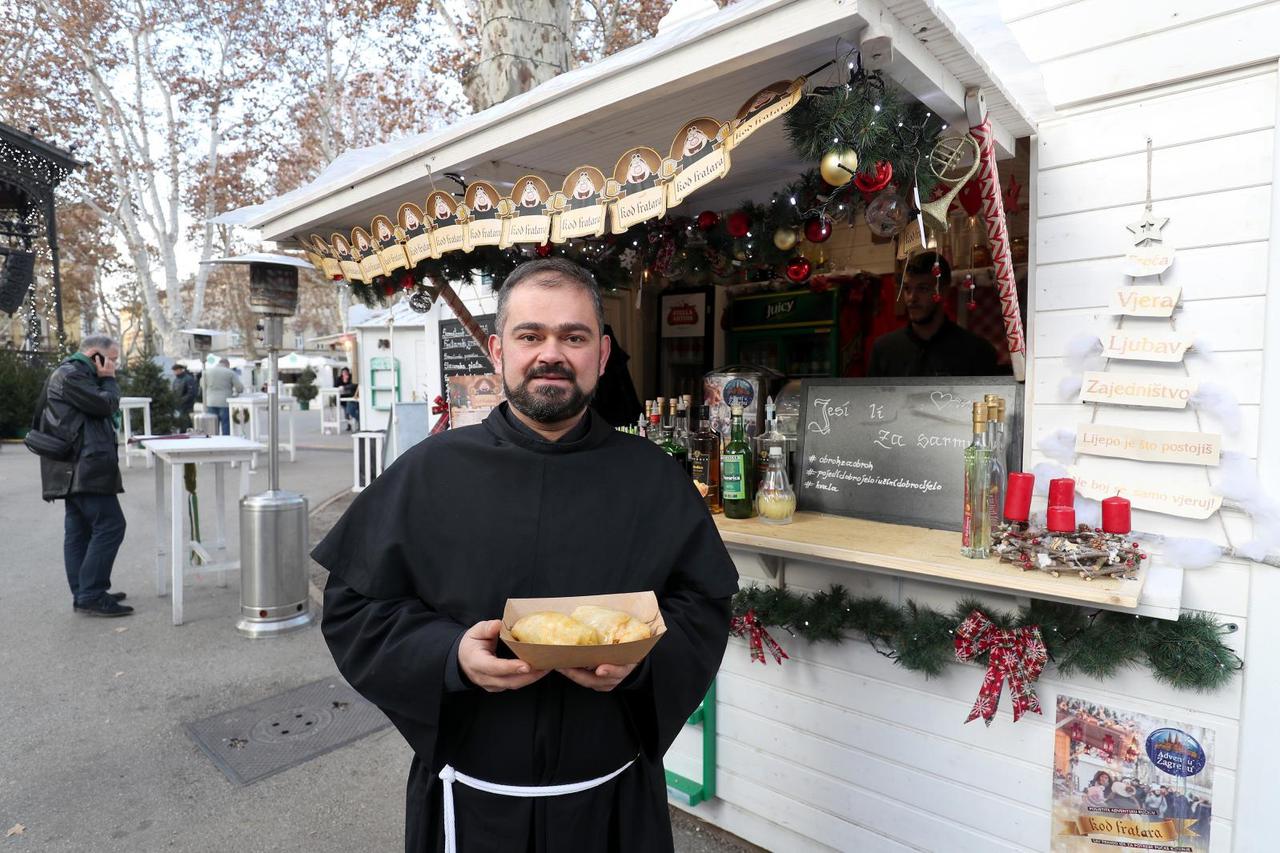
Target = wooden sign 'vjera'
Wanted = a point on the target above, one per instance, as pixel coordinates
(642, 185)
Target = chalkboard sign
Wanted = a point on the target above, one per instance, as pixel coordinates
(460, 355)
(893, 450)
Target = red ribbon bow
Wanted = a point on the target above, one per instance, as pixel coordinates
(440, 406)
(759, 638)
(1014, 653)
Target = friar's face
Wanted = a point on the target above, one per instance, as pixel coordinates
(482, 199)
(410, 221)
(583, 188)
(529, 198)
(638, 170)
(442, 209)
(362, 243)
(551, 352)
(694, 140)
(384, 233)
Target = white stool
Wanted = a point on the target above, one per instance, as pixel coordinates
(366, 465)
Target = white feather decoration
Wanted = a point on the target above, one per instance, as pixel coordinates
(1069, 386)
(1237, 478)
(1059, 445)
(1255, 550)
(1219, 402)
(1191, 553)
(1201, 347)
(1044, 472)
(1088, 511)
(1080, 348)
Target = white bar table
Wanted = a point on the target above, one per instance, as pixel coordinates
(254, 407)
(330, 411)
(128, 405)
(173, 453)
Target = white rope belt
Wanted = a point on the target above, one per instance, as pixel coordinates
(448, 775)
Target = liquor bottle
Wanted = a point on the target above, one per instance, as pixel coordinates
(704, 459)
(999, 473)
(770, 438)
(681, 433)
(670, 445)
(975, 537)
(736, 469)
(776, 501)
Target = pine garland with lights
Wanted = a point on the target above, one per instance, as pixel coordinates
(1187, 654)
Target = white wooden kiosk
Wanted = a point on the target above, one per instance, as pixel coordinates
(838, 748)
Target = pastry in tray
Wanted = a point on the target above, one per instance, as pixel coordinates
(614, 626)
(588, 625)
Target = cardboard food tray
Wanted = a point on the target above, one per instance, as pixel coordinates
(641, 605)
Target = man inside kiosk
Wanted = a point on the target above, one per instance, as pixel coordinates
(931, 344)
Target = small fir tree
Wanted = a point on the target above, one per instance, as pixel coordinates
(305, 390)
(143, 377)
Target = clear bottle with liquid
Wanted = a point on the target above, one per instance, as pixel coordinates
(769, 439)
(776, 500)
(975, 536)
(999, 467)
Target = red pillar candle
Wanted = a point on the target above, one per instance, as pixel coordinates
(1116, 516)
(1062, 492)
(1061, 519)
(1017, 496)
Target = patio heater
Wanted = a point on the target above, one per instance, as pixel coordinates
(273, 524)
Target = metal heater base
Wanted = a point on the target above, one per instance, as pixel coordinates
(256, 629)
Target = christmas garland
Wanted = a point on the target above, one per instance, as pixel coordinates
(865, 115)
(1187, 654)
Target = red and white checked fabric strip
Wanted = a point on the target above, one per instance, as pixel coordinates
(998, 237)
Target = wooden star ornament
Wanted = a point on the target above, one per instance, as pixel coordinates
(1148, 228)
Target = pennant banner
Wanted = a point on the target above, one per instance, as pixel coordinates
(641, 186)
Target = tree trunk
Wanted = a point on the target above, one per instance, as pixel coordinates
(522, 44)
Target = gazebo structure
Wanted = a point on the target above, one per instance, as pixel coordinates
(30, 171)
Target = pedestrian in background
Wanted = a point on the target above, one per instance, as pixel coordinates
(79, 402)
(221, 382)
(185, 391)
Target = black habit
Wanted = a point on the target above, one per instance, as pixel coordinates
(473, 516)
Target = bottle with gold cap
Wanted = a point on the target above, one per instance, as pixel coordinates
(975, 537)
(999, 466)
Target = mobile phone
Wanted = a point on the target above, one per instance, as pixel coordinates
(97, 356)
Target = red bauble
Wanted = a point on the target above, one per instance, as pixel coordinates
(738, 224)
(817, 229)
(799, 268)
(875, 181)
(406, 281)
(388, 287)
(971, 305)
(543, 250)
(937, 297)
(708, 219)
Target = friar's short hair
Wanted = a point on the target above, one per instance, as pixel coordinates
(549, 272)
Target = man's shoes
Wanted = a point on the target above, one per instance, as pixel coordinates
(105, 606)
(114, 596)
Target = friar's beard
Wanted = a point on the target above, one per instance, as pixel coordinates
(548, 404)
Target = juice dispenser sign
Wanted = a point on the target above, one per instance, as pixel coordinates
(738, 392)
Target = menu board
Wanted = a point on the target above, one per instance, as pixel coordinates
(893, 449)
(460, 355)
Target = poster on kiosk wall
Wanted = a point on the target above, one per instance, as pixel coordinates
(1123, 780)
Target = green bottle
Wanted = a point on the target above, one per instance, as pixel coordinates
(737, 469)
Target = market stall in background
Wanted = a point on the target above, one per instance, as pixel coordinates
(1083, 519)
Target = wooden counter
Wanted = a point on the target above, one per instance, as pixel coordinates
(916, 552)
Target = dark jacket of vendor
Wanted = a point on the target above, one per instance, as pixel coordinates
(931, 344)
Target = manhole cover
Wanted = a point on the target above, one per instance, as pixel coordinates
(274, 734)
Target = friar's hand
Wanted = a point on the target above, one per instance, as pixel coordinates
(604, 677)
(485, 669)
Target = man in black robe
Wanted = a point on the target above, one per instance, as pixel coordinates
(542, 499)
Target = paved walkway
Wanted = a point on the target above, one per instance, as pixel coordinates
(93, 756)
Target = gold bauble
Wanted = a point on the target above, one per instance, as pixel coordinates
(786, 238)
(832, 163)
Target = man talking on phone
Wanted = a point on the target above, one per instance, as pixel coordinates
(79, 402)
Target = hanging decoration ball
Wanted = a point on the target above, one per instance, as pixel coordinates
(388, 287)
(838, 166)
(785, 238)
(407, 282)
(886, 214)
(708, 219)
(972, 304)
(799, 269)
(817, 229)
(420, 301)
(876, 180)
(543, 250)
(738, 224)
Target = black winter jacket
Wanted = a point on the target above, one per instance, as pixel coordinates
(79, 407)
